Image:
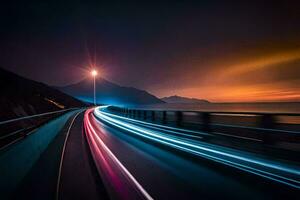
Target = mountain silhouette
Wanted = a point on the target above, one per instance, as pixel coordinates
(183, 100)
(21, 97)
(109, 93)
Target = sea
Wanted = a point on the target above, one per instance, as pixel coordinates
(265, 107)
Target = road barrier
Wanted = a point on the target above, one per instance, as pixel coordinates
(13, 130)
(19, 159)
(279, 130)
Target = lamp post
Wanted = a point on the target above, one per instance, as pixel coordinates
(94, 74)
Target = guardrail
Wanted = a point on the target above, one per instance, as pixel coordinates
(13, 130)
(280, 130)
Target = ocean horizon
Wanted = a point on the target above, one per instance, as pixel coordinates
(264, 107)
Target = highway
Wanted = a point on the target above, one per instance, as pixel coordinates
(162, 163)
(94, 154)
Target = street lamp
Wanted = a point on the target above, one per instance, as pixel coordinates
(94, 74)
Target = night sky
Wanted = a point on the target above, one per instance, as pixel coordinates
(209, 49)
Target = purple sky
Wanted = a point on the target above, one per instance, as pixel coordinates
(208, 49)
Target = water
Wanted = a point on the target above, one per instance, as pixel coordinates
(278, 107)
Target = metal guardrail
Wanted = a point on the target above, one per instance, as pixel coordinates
(34, 116)
(264, 127)
(13, 130)
(267, 120)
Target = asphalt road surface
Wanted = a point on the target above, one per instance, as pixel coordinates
(96, 155)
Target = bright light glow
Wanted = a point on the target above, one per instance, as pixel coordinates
(94, 72)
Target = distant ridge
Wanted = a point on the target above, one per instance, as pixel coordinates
(21, 96)
(109, 93)
(183, 100)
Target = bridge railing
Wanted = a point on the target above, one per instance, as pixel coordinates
(280, 130)
(14, 129)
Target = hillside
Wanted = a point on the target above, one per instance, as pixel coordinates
(183, 100)
(109, 93)
(21, 96)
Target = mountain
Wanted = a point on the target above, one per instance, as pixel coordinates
(179, 99)
(109, 93)
(21, 97)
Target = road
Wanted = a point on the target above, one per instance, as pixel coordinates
(168, 167)
(97, 155)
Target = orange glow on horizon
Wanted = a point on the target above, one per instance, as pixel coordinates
(257, 93)
(268, 78)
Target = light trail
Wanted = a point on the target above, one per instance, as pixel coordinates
(169, 129)
(100, 150)
(153, 125)
(275, 171)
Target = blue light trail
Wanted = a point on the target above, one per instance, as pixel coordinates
(283, 173)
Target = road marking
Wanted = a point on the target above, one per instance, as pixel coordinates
(62, 155)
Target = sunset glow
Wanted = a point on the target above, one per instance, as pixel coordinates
(255, 79)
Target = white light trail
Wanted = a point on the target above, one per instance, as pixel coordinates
(123, 169)
(262, 167)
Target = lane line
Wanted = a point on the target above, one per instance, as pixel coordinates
(62, 155)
